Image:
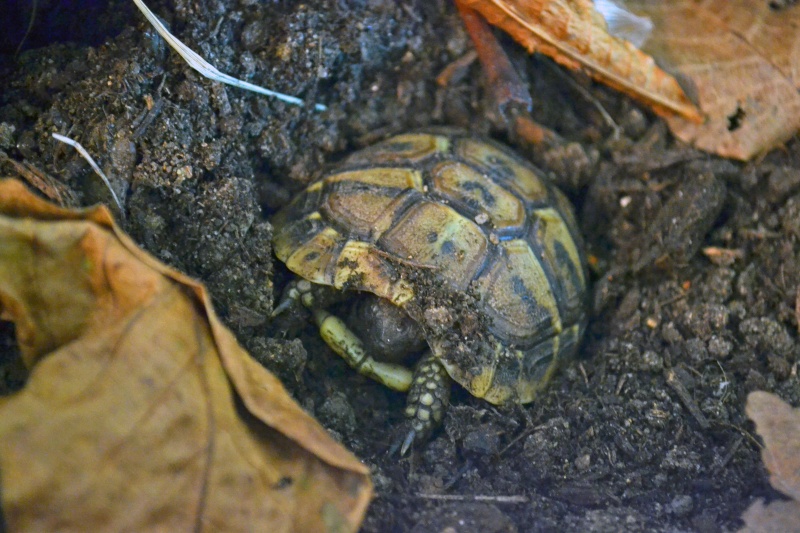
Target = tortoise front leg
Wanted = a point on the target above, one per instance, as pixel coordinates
(343, 341)
(428, 388)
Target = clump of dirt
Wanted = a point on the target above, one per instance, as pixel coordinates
(696, 265)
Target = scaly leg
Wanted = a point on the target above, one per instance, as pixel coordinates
(428, 398)
(343, 341)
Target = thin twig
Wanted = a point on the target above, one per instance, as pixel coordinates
(729, 454)
(675, 384)
(38, 179)
(474, 498)
(456, 70)
(31, 22)
(457, 476)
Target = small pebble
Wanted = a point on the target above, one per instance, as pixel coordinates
(682, 505)
(583, 462)
(651, 362)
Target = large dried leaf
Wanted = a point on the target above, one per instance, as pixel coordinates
(142, 412)
(779, 425)
(575, 35)
(743, 61)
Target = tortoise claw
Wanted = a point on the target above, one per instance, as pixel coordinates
(427, 401)
(402, 439)
(408, 441)
(292, 295)
(285, 304)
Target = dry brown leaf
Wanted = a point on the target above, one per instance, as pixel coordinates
(142, 412)
(742, 60)
(777, 517)
(779, 425)
(575, 35)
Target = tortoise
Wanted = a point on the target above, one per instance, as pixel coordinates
(456, 241)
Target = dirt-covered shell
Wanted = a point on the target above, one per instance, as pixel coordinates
(466, 237)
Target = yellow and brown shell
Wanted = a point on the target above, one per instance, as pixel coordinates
(465, 236)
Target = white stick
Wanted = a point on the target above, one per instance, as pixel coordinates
(205, 68)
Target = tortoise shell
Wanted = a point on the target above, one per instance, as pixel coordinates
(466, 237)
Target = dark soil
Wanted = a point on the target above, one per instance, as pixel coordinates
(695, 260)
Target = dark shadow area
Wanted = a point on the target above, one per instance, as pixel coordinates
(29, 24)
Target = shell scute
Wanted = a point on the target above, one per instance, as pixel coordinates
(463, 184)
(513, 172)
(517, 295)
(313, 259)
(365, 201)
(405, 149)
(561, 255)
(436, 236)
